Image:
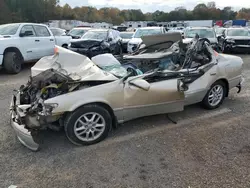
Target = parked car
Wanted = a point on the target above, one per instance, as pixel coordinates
(126, 36)
(98, 41)
(235, 39)
(61, 37)
(203, 32)
(88, 101)
(120, 28)
(78, 32)
(24, 42)
(136, 40)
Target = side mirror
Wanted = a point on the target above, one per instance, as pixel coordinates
(110, 39)
(140, 83)
(26, 33)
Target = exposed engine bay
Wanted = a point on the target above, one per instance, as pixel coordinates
(46, 85)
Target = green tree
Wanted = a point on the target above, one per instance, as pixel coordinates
(4, 11)
(244, 13)
(44, 10)
(201, 12)
(67, 12)
(228, 14)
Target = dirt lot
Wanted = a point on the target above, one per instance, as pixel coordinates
(205, 149)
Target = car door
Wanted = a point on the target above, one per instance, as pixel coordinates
(46, 41)
(29, 44)
(163, 96)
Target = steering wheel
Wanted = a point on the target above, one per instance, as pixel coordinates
(132, 71)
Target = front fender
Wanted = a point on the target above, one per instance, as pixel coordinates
(69, 105)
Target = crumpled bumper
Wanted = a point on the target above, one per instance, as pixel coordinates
(23, 134)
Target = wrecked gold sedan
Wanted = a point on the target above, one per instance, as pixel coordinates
(89, 97)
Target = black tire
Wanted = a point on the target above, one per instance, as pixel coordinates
(12, 62)
(65, 46)
(206, 104)
(72, 118)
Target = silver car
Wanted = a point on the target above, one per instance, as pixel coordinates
(90, 97)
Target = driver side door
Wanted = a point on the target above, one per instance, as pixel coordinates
(163, 96)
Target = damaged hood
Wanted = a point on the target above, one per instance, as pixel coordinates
(74, 65)
(86, 43)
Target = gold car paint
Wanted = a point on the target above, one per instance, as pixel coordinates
(162, 97)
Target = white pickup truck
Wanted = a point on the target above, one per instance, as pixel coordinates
(24, 42)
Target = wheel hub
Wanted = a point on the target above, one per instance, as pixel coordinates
(215, 95)
(89, 126)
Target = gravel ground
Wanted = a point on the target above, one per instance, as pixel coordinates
(204, 149)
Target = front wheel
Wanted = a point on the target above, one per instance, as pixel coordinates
(215, 96)
(88, 125)
(12, 62)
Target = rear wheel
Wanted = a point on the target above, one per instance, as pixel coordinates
(88, 125)
(215, 95)
(12, 62)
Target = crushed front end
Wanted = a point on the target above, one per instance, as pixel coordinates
(24, 135)
(28, 111)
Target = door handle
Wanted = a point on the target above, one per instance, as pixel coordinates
(37, 40)
(52, 40)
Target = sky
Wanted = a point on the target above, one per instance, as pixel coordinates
(153, 5)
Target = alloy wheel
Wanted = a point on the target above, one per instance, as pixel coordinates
(215, 95)
(89, 126)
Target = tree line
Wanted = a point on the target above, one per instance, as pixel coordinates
(43, 10)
